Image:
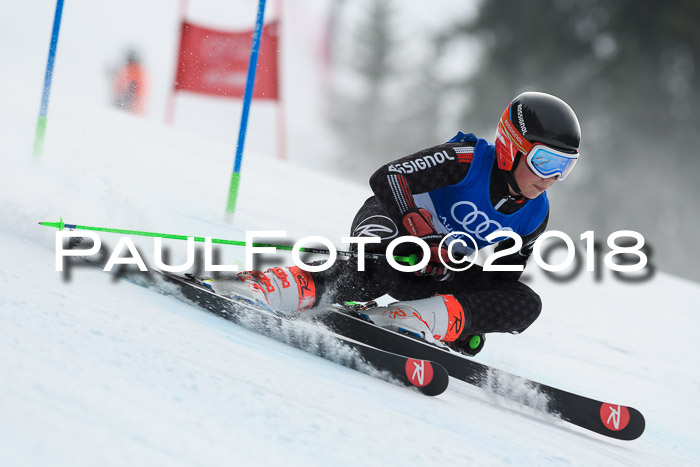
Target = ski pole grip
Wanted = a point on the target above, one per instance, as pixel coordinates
(410, 260)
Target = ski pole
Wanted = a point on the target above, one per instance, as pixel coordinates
(60, 225)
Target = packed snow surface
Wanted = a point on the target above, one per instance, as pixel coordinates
(98, 371)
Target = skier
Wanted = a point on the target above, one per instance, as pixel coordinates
(465, 185)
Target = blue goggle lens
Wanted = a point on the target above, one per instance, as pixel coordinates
(547, 162)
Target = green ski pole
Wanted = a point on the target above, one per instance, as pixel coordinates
(60, 225)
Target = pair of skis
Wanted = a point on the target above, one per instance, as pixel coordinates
(361, 345)
(428, 377)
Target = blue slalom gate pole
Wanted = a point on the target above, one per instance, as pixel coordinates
(41, 122)
(252, 66)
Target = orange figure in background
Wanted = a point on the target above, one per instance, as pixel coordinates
(130, 86)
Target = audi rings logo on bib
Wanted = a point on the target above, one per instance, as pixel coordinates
(474, 222)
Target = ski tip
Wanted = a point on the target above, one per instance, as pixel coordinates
(429, 377)
(621, 422)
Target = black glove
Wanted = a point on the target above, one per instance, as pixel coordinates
(419, 223)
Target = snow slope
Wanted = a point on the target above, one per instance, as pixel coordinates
(95, 371)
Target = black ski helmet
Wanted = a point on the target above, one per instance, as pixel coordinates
(535, 117)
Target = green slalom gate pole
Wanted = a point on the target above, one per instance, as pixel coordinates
(60, 225)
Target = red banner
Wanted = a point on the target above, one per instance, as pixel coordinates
(216, 62)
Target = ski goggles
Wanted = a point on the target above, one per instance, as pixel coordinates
(548, 162)
(543, 160)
